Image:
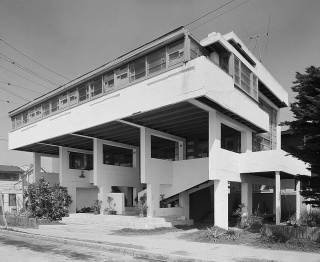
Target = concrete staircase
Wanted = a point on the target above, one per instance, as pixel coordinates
(109, 222)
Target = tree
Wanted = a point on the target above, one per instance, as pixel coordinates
(45, 201)
(306, 110)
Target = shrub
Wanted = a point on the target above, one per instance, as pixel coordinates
(310, 219)
(45, 201)
(254, 221)
(141, 208)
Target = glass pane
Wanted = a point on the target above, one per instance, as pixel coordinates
(156, 61)
(97, 85)
(82, 93)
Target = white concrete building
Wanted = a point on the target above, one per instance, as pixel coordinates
(176, 116)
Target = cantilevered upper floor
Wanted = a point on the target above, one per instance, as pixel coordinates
(218, 71)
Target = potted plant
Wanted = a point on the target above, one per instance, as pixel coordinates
(96, 206)
(110, 209)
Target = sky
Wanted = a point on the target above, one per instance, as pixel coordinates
(72, 37)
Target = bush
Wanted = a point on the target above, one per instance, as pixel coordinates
(141, 208)
(45, 201)
(310, 219)
(254, 221)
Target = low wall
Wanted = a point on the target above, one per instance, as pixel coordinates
(312, 233)
(170, 211)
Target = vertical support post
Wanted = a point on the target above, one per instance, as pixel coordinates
(246, 197)
(214, 141)
(184, 203)
(278, 197)
(221, 203)
(298, 200)
(145, 151)
(36, 166)
(153, 199)
(97, 160)
(72, 191)
(103, 196)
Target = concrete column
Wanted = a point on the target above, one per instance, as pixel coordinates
(153, 199)
(221, 203)
(184, 203)
(246, 141)
(36, 166)
(298, 200)
(72, 191)
(97, 160)
(136, 190)
(63, 165)
(246, 197)
(103, 196)
(214, 141)
(277, 197)
(145, 151)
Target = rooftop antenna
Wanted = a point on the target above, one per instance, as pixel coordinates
(257, 39)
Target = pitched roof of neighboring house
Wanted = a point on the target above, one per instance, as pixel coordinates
(29, 168)
(10, 169)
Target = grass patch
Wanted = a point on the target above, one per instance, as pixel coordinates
(145, 232)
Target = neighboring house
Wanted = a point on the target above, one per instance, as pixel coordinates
(10, 188)
(29, 175)
(183, 118)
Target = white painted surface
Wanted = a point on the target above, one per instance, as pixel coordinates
(117, 203)
(277, 197)
(221, 203)
(170, 211)
(86, 197)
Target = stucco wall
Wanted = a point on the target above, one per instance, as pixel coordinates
(85, 197)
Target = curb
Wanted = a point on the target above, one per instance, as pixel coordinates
(136, 253)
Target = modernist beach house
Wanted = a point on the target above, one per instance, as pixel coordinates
(176, 117)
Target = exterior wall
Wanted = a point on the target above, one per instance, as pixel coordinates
(189, 81)
(19, 201)
(86, 196)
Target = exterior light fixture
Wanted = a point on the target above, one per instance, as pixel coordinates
(82, 173)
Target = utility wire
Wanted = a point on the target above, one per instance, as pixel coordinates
(9, 102)
(1, 39)
(3, 88)
(27, 89)
(25, 78)
(210, 12)
(9, 60)
(220, 15)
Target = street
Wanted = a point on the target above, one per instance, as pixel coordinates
(16, 248)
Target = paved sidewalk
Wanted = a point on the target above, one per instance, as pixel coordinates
(163, 247)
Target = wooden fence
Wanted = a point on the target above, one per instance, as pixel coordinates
(20, 221)
(312, 233)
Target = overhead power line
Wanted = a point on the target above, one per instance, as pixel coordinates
(25, 77)
(9, 102)
(5, 89)
(220, 15)
(210, 12)
(9, 60)
(1, 39)
(14, 85)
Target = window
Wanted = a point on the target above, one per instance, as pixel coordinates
(230, 139)
(122, 75)
(31, 114)
(83, 93)
(12, 200)
(46, 108)
(25, 117)
(13, 120)
(63, 100)
(37, 112)
(108, 80)
(138, 69)
(80, 161)
(197, 147)
(164, 149)
(55, 104)
(117, 156)
(18, 121)
(268, 140)
(9, 176)
(224, 62)
(175, 53)
(245, 79)
(96, 87)
(156, 61)
(73, 96)
(196, 50)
